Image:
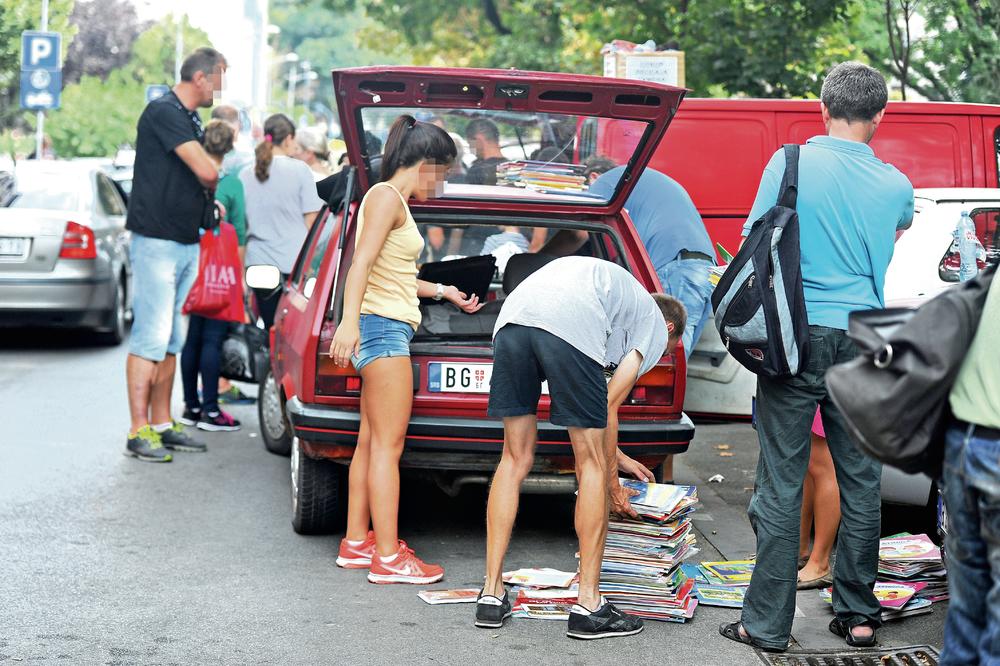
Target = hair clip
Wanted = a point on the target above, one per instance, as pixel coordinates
(268, 138)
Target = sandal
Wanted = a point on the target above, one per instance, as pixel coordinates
(733, 633)
(841, 628)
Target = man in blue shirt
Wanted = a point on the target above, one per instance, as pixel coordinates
(673, 234)
(850, 206)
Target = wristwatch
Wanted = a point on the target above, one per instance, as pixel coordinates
(440, 292)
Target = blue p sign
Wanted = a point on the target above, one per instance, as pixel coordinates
(40, 50)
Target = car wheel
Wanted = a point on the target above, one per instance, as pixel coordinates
(319, 493)
(274, 428)
(114, 330)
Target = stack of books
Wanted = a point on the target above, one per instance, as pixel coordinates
(721, 583)
(641, 572)
(913, 559)
(542, 176)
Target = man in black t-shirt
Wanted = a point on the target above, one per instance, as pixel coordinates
(484, 139)
(172, 188)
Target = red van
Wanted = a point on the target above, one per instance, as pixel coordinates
(717, 149)
(310, 408)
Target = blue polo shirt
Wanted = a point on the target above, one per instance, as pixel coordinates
(850, 205)
(663, 215)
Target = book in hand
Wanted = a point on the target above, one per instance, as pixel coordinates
(466, 595)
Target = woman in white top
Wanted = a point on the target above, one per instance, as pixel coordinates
(281, 205)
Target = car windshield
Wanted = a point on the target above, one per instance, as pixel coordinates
(48, 191)
(512, 155)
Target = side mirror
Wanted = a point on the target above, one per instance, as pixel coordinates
(263, 276)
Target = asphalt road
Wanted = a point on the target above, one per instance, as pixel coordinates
(105, 560)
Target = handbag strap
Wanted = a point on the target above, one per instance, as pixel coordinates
(788, 194)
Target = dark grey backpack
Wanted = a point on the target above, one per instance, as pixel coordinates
(759, 306)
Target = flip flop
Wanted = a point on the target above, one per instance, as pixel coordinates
(733, 633)
(814, 583)
(840, 628)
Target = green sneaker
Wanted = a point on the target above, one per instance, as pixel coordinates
(147, 446)
(234, 396)
(175, 439)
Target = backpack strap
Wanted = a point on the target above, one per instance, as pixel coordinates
(788, 194)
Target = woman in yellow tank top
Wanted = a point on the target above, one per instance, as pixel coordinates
(381, 314)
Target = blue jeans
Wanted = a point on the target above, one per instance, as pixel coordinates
(971, 486)
(162, 274)
(687, 281)
(381, 337)
(786, 409)
(201, 355)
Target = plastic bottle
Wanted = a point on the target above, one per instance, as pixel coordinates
(965, 234)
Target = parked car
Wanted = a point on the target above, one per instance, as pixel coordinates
(64, 250)
(309, 407)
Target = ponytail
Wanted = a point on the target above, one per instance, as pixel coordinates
(411, 141)
(277, 128)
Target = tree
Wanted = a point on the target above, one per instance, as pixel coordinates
(733, 47)
(106, 30)
(17, 16)
(99, 115)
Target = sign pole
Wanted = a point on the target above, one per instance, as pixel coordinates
(40, 115)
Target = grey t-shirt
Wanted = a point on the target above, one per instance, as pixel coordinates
(274, 208)
(596, 306)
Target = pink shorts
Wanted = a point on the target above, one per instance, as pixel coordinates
(818, 425)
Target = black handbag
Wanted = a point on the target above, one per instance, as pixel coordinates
(245, 352)
(894, 395)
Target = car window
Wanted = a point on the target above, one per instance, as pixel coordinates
(47, 193)
(986, 220)
(313, 258)
(108, 197)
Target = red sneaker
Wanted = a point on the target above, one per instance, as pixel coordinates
(406, 568)
(356, 557)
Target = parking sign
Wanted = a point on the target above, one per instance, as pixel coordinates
(41, 70)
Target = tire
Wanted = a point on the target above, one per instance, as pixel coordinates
(113, 331)
(274, 427)
(319, 493)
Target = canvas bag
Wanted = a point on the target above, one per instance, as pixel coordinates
(894, 395)
(759, 305)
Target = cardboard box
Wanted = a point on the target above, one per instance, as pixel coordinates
(665, 67)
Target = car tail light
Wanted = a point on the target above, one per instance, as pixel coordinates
(78, 242)
(656, 387)
(334, 380)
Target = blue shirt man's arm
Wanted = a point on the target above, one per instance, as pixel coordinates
(767, 192)
(906, 219)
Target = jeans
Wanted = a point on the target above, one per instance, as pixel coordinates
(971, 486)
(201, 355)
(162, 274)
(381, 337)
(687, 281)
(785, 412)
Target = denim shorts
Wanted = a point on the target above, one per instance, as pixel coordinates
(162, 274)
(382, 337)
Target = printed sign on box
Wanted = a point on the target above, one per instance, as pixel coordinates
(652, 67)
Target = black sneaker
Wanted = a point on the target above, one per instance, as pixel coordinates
(146, 446)
(492, 611)
(190, 417)
(605, 622)
(218, 422)
(175, 439)
(234, 396)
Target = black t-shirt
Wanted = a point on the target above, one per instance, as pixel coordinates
(484, 171)
(167, 201)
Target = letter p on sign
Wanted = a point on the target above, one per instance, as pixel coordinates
(40, 50)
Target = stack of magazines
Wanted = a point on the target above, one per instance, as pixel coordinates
(720, 583)
(911, 560)
(542, 176)
(641, 572)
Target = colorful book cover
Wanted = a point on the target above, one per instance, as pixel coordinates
(908, 548)
(727, 596)
(734, 572)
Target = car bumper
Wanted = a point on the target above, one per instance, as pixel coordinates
(322, 426)
(69, 301)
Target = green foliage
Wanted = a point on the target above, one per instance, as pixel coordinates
(17, 16)
(98, 116)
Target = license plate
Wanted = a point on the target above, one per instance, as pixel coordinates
(462, 378)
(13, 247)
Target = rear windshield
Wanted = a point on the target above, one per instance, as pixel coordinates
(488, 259)
(511, 155)
(48, 191)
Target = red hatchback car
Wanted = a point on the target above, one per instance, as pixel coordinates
(545, 127)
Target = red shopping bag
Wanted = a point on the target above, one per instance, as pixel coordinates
(217, 293)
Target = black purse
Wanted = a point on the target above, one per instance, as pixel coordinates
(245, 354)
(894, 395)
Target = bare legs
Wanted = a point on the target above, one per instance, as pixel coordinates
(591, 519)
(386, 401)
(149, 387)
(820, 503)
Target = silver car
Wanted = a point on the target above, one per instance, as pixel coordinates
(64, 250)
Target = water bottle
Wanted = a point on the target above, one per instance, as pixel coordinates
(965, 235)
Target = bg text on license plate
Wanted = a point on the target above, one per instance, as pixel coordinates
(462, 378)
